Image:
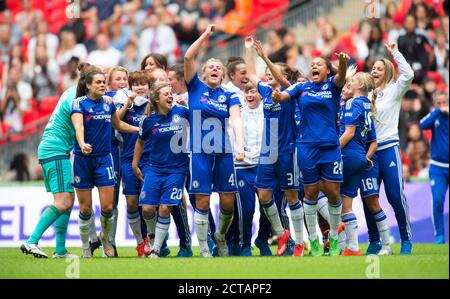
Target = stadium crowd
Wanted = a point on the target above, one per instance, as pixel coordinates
(39, 55)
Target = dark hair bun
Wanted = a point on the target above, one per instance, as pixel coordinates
(83, 65)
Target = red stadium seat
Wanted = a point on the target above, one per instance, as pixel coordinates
(14, 6)
(316, 53)
(15, 137)
(55, 26)
(427, 134)
(47, 105)
(58, 4)
(57, 16)
(29, 118)
(435, 76)
(360, 64)
(25, 41)
(1, 72)
(436, 24)
(442, 87)
(3, 138)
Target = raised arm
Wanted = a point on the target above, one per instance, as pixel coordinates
(236, 121)
(339, 78)
(427, 122)
(122, 126)
(276, 73)
(190, 67)
(250, 61)
(122, 111)
(406, 73)
(280, 96)
(77, 121)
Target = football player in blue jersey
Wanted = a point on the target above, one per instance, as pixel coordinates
(368, 186)
(131, 113)
(117, 80)
(322, 201)
(318, 153)
(93, 166)
(437, 121)
(276, 163)
(179, 213)
(356, 121)
(164, 126)
(180, 93)
(387, 97)
(212, 167)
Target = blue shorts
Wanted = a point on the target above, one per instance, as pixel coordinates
(319, 163)
(130, 183)
(369, 183)
(212, 174)
(93, 171)
(353, 171)
(161, 188)
(282, 172)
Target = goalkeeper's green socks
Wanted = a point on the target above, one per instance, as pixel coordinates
(49, 216)
(61, 231)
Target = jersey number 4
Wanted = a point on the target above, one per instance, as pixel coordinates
(231, 179)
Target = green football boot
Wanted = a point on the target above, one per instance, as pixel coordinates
(316, 248)
(335, 250)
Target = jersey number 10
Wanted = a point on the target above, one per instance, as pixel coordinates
(367, 123)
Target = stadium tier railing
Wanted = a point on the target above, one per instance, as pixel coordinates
(299, 12)
(25, 142)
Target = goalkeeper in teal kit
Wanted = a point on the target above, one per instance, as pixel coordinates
(53, 152)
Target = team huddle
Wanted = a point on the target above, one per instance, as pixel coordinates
(306, 143)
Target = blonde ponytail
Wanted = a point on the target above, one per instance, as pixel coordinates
(373, 108)
(369, 85)
(351, 71)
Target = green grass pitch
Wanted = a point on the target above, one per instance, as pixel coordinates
(427, 261)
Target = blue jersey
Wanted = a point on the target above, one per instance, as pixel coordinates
(97, 124)
(438, 123)
(114, 140)
(133, 117)
(167, 152)
(356, 112)
(208, 111)
(284, 115)
(297, 117)
(318, 106)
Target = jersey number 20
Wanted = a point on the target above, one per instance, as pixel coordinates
(176, 194)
